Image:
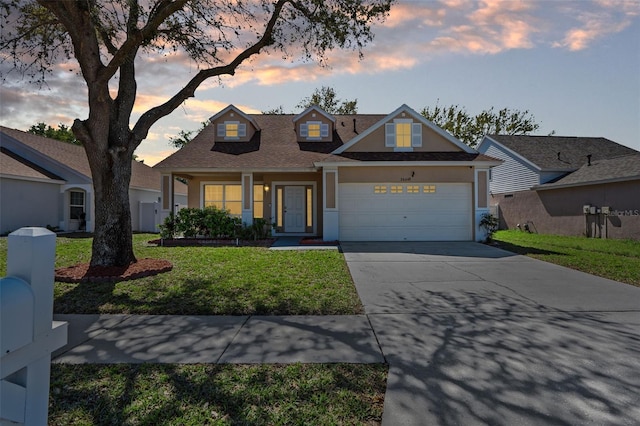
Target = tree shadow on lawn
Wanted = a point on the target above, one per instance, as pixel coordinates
(185, 299)
(191, 297)
(229, 394)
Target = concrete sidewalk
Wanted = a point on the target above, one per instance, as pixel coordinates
(218, 339)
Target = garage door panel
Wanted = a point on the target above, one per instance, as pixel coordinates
(443, 215)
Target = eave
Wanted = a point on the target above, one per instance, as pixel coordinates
(549, 186)
(408, 163)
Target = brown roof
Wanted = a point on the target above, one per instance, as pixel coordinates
(14, 165)
(561, 153)
(601, 171)
(75, 158)
(275, 146)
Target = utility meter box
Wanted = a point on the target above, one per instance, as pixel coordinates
(16, 314)
(605, 210)
(593, 210)
(586, 209)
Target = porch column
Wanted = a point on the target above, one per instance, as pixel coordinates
(481, 204)
(247, 198)
(330, 212)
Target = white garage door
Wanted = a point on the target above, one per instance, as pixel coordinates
(405, 212)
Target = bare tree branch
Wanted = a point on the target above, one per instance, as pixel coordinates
(150, 117)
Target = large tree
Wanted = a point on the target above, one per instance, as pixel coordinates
(470, 129)
(107, 36)
(62, 133)
(327, 99)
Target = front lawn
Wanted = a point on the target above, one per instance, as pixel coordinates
(617, 260)
(212, 281)
(204, 394)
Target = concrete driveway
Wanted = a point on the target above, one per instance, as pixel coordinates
(475, 336)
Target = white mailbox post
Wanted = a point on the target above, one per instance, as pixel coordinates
(27, 333)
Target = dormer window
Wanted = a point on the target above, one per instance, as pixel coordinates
(232, 130)
(314, 130)
(403, 135)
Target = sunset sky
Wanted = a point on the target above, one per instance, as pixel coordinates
(575, 65)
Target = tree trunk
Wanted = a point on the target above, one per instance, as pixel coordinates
(112, 241)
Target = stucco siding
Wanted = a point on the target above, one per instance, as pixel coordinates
(559, 211)
(512, 175)
(431, 141)
(27, 203)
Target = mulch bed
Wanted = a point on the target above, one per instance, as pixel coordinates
(207, 242)
(317, 242)
(83, 273)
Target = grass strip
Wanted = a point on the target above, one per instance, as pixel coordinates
(212, 281)
(617, 260)
(205, 394)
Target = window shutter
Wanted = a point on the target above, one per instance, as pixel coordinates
(324, 130)
(242, 130)
(390, 134)
(303, 130)
(222, 130)
(416, 135)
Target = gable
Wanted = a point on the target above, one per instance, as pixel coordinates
(66, 161)
(232, 125)
(404, 130)
(314, 125)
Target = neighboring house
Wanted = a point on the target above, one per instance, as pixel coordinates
(48, 182)
(546, 182)
(395, 177)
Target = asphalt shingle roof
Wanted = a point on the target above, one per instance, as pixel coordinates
(562, 153)
(75, 158)
(276, 146)
(600, 171)
(13, 165)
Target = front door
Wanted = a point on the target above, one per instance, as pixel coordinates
(294, 209)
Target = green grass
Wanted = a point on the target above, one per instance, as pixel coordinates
(203, 394)
(617, 260)
(212, 281)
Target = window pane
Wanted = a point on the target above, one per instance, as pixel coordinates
(217, 204)
(258, 193)
(77, 198)
(427, 189)
(234, 207)
(403, 135)
(413, 189)
(75, 212)
(396, 189)
(258, 210)
(213, 193)
(279, 207)
(380, 189)
(309, 207)
(232, 130)
(313, 130)
(232, 193)
(258, 202)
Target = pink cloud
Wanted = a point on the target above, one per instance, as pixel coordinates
(426, 13)
(610, 18)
